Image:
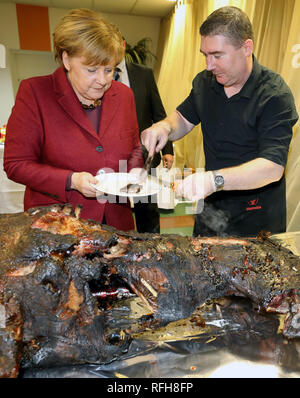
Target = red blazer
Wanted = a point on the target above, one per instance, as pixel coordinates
(49, 135)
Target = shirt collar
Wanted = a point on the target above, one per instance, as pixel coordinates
(122, 65)
(249, 86)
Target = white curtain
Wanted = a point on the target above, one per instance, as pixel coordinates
(291, 73)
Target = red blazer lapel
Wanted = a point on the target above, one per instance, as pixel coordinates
(66, 97)
(110, 105)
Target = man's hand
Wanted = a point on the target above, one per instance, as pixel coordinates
(196, 186)
(172, 128)
(155, 137)
(82, 183)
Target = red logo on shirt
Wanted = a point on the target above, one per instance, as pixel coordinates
(253, 205)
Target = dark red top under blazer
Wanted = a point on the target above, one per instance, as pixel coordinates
(49, 135)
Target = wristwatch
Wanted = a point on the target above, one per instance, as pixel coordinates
(218, 181)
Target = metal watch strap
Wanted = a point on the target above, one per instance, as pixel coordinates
(218, 180)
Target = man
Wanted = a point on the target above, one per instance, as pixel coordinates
(149, 109)
(246, 112)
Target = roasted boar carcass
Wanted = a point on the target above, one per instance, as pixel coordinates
(52, 263)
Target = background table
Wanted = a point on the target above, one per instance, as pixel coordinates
(11, 193)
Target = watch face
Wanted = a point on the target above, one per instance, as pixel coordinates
(219, 181)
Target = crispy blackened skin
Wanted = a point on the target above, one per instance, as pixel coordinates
(51, 318)
(49, 256)
(176, 274)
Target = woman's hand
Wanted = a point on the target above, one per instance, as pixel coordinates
(82, 183)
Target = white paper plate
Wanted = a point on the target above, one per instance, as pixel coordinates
(112, 183)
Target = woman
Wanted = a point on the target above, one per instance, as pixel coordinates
(67, 126)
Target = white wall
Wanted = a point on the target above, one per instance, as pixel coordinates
(25, 63)
(10, 39)
(133, 28)
(6, 91)
(9, 26)
(2, 56)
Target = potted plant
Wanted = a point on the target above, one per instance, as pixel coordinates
(140, 53)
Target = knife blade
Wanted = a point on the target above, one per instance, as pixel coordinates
(145, 170)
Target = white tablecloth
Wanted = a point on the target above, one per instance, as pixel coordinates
(11, 193)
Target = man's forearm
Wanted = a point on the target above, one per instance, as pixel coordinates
(177, 126)
(251, 175)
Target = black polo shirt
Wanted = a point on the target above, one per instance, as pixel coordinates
(256, 122)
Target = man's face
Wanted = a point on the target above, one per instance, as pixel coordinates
(229, 64)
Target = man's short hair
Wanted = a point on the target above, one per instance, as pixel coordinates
(231, 22)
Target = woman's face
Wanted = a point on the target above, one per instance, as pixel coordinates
(88, 82)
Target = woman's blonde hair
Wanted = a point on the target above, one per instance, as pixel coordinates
(84, 33)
